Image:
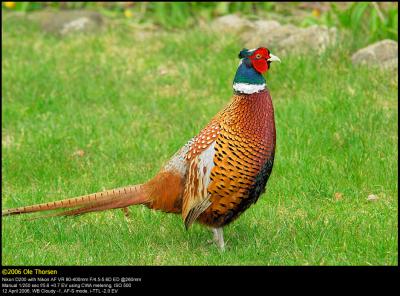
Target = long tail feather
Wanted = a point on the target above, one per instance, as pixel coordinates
(110, 199)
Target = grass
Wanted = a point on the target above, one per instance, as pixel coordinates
(130, 100)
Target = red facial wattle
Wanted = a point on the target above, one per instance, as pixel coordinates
(260, 65)
(259, 60)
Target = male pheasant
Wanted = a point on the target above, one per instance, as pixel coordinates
(214, 177)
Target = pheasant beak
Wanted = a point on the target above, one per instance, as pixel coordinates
(273, 58)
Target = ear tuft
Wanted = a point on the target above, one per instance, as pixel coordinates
(244, 53)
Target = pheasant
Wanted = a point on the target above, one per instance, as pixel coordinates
(215, 176)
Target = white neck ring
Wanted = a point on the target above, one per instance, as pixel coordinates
(247, 88)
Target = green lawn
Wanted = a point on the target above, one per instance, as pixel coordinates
(130, 99)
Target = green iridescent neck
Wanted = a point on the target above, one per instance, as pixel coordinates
(247, 80)
(247, 74)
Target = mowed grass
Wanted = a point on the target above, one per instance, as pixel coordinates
(92, 112)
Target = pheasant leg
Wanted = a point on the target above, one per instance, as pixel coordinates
(219, 237)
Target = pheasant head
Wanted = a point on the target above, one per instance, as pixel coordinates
(253, 63)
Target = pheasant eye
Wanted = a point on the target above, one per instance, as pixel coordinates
(258, 56)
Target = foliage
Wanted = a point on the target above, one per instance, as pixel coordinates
(362, 19)
(372, 19)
